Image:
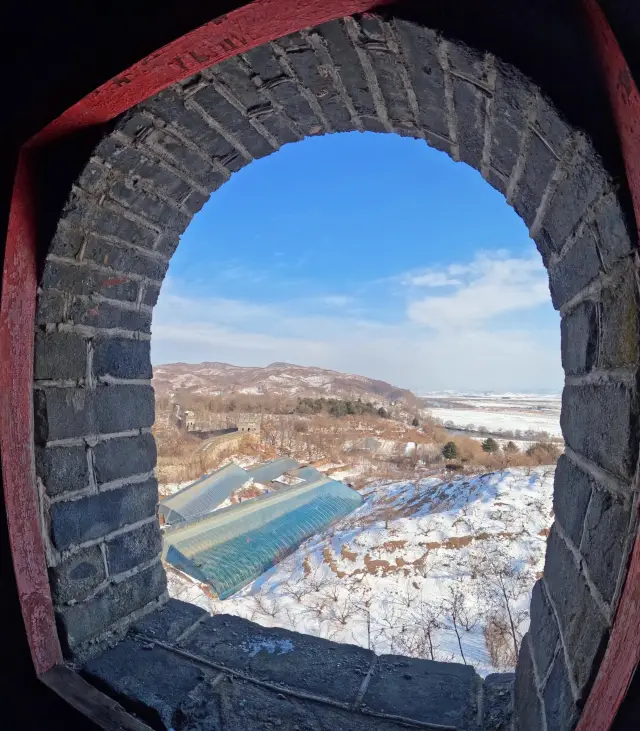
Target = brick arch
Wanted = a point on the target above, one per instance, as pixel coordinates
(153, 171)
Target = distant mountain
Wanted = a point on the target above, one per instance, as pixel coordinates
(277, 379)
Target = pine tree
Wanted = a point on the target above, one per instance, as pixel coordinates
(490, 445)
(450, 451)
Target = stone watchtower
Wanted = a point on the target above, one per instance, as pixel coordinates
(250, 424)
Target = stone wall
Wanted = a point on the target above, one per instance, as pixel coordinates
(122, 222)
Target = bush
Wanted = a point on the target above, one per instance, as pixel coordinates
(544, 453)
(450, 450)
(415, 421)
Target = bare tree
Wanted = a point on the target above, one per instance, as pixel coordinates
(502, 583)
(459, 613)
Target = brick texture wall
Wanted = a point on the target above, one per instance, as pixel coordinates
(139, 190)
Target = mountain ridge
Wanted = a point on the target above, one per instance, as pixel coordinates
(215, 378)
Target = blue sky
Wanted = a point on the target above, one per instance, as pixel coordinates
(367, 253)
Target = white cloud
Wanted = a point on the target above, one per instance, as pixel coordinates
(431, 279)
(488, 287)
(446, 342)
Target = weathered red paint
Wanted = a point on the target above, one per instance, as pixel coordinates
(17, 314)
(622, 656)
(236, 32)
(623, 95)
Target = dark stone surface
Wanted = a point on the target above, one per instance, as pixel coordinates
(605, 531)
(152, 683)
(130, 549)
(78, 576)
(50, 307)
(62, 469)
(498, 702)
(318, 666)
(579, 338)
(528, 709)
(75, 279)
(170, 621)
(90, 517)
(236, 706)
(619, 330)
(583, 626)
(543, 628)
(579, 266)
(63, 413)
(571, 494)
(86, 620)
(99, 314)
(60, 356)
(539, 168)
(614, 240)
(600, 422)
(124, 456)
(424, 690)
(123, 260)
(561, 711)
(122, 358)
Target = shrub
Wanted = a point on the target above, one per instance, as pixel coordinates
(450, 450)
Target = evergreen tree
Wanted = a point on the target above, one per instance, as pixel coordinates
(450, 451)
(490, 445)
(415, 421)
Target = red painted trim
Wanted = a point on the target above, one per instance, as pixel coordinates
(17, 316)
(236, 32)
(623, 95)
(621, 658)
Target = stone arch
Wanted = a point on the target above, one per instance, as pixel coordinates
(152, 172)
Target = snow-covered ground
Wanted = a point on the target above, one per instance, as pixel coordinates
(500, 412)
(387, 575)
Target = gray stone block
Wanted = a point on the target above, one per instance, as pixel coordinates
(614, 240)
(106, 315)
(131, 549)
(148, 206)
(579, 338)
(152, 683)
(600, 422)
(571, 494)
(552, 127)
(300, 661)
(50, 308)
(123, 457)
(124, 260)
(579, 266)
(82, 280)
(63, 413)
(151, 294)
(511, 100)
(67, 241)
(539, 167)
(62, 469)
(498, 702)
(78, 576)
(561, 711)
(543, 629)
(77, 521)
(583, 627)
(619, 331)
(605, 531)
(170, 621)
(60, 356)
(424, 690)
(120, 408)
(122, 358)
(527, 706)
(470, 115)
(576, 191)
(84, 621)
(167, 243)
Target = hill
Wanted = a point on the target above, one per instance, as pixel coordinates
(275, 380)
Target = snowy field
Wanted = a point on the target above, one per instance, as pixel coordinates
(500, 412)
(412, 571)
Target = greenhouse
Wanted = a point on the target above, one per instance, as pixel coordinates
(233, 546)
(202, 496)
(271, 470)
